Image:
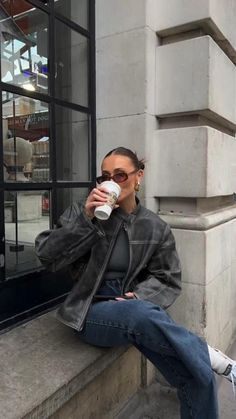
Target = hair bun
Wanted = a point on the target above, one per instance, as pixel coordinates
(141, 164)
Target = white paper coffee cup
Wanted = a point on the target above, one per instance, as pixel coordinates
(104, 211)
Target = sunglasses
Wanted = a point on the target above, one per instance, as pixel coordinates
(117, 177)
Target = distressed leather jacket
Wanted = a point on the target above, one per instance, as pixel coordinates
(86, 245)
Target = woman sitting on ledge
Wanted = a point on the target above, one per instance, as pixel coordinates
(131, 275)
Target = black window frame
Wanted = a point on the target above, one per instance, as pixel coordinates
(54, 184)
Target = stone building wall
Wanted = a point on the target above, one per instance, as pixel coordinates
(166, 87)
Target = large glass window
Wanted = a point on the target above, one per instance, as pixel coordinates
(47, 143)
(65, 196)
(24, 45)
(26, 215)
(71, 77)
(25, 139)
(73, 145)
(76, 10)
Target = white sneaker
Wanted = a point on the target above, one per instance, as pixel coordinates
(230, 373)
(223, 365)
(220, 363)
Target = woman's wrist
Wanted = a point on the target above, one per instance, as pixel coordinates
(88, 214)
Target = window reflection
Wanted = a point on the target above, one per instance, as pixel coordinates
(73, 145)
(75, 10)
(71, 54)
(67, 196)
(25, 139)
(24, 45)
(26, 215)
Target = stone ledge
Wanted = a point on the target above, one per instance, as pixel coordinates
(216, 18)
(43, 365)
(201, 222)
(199, 67)
(193, 162)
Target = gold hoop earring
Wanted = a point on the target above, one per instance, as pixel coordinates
(137, 187)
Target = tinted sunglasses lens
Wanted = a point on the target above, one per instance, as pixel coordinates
(99, 179)
(102, 178)
(120, 177)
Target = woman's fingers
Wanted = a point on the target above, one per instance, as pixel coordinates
(130, 296)
(97, 195)
(96, 198)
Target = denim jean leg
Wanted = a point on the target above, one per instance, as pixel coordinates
(114, 323)
(196, 401)
(170, 347)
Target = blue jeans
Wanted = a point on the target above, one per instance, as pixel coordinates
(179, 355)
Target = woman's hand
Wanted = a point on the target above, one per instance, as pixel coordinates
(130, 296)
(96, 198)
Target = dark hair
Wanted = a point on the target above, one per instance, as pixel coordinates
(122, 151)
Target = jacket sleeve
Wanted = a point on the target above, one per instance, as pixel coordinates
(162, 283)
(73, 238)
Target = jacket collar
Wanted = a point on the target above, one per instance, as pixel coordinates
(128, 217)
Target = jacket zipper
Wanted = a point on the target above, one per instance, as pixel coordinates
(130, 259)
(101, 273)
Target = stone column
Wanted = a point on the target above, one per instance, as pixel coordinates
(166, 87)
(195, 150)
